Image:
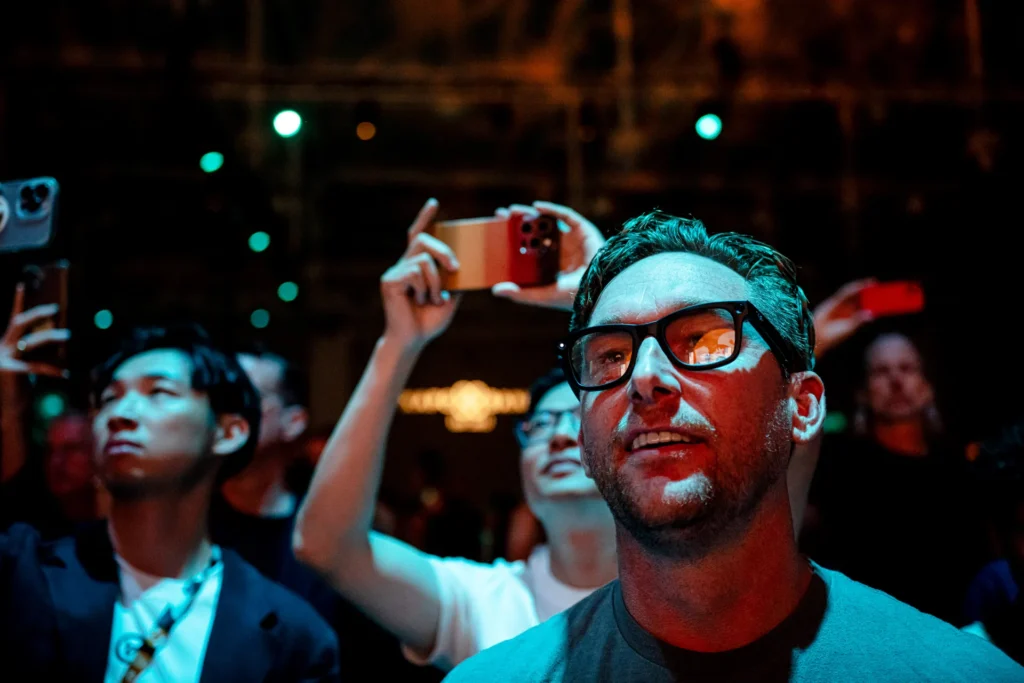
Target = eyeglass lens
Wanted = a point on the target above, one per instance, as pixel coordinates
(701, 338)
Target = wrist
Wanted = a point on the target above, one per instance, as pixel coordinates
(398, 348)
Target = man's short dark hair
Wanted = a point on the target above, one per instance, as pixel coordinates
(214, 372)
(542, 385)
(770, 275)
(294, 382)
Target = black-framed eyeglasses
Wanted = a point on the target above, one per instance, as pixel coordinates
(701, 337)
(542, 424)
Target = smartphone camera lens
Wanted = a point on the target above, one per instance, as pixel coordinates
(527, 227)
(534, 243)
(32, 198)
(544, 224)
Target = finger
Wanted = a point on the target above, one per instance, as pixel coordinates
(416, 286)
(528, 295)
(46, 369)
(433, 279)
(571, 218)
(33, 341)
(851, 289)
(32, 317)
(526, 211)
(423, 219)
(501, 213)
(19, 300)
(424, 243)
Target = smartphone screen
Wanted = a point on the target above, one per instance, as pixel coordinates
(893, 298)
(47, 285)
(492, 250)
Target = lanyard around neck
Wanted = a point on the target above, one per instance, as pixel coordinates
(171, 615)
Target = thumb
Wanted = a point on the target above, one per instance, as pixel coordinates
(529, 295)
(506, 290)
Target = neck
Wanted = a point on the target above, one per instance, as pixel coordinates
(723, 600)
(261, 489)
(904, 438)
(163, 535)
(582, 545)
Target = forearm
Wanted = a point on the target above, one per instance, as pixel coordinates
(338, 509)
(13, 443)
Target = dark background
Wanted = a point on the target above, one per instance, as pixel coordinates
(861, 138)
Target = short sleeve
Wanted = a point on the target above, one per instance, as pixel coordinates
(481, 606)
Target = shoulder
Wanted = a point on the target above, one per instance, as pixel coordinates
(870, 625)
(541, 652)
(294, 615)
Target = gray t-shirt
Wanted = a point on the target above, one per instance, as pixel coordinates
(840, 631)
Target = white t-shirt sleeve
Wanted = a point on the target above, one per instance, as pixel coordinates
(481, 606)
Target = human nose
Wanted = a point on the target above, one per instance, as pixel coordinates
(654, 376)
(123, 412)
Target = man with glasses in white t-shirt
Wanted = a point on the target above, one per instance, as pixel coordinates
(446, 610)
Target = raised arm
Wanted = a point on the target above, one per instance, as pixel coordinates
(391, 581)
(17, 340)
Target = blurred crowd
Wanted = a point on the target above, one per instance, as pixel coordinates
(383, 588)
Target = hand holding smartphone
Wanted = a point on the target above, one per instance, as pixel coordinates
(44, 289)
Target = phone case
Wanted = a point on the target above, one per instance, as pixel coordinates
(28, 211)
(493, 250)
(893, 298)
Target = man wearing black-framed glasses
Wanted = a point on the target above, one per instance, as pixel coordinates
(692, 355)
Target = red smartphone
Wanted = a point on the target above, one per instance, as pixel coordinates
(47, 285)
(892, 298)
(28, 210)
(490, 250)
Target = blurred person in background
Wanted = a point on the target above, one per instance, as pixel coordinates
(149, 593)
(994, 608)
(445, 610)
(55, 490)
(254, 514)
(889, 503)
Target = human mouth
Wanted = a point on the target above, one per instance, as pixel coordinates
(660, 438)
(560, 467)
(121, 447)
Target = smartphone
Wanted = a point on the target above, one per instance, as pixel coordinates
(28, 211)
(47, 285)
(490, 250)
(893, 298)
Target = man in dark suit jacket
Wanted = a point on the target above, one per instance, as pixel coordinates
(147, 596)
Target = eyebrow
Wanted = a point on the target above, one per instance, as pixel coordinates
(616, 320)
(152, 377)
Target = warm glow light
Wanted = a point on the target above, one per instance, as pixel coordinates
(468, 405)
(366, 130)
